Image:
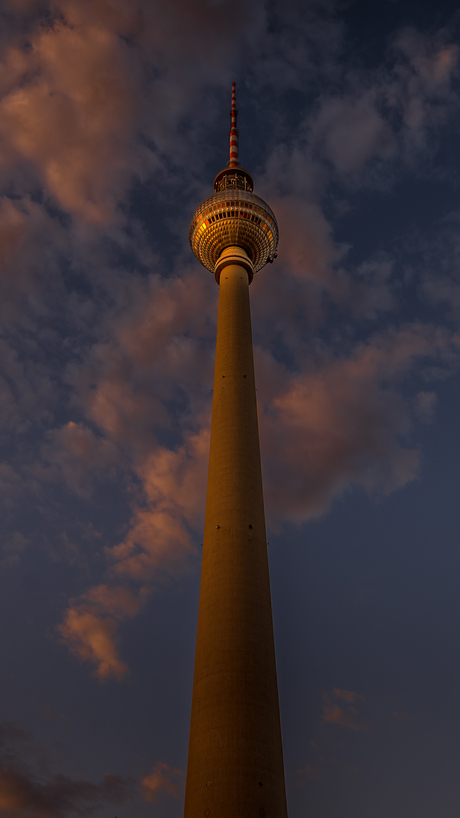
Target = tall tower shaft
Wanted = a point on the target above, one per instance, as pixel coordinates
(235, 766)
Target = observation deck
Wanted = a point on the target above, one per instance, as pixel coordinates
(233, 217)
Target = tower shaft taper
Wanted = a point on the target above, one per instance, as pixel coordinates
(235, 766)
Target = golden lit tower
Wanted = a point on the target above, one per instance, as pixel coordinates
(235, 763)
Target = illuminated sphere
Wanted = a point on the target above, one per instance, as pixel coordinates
(234, 216)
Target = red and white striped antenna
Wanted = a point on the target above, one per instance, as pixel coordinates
(233, 163)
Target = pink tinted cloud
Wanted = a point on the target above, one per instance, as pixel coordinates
(10, 485)
(348, 696)
(307, 246)
(28, 791)
(92, 639)
(344, 422)
(333, 714)
(162, 780)
(76, 454)
(157, 545)
(327, 428)
(311, 772)
(426, 405)
(70, 116)
(24, 794)
(157, 351)
(158, 542)
(78, 107)
(342, 715)
(26, 389)
(124, 413)
(31, 246)
(90, 627)
(433, 62)
(422, 88)
(170, 309)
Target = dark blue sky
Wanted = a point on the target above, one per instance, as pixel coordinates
(113, 124)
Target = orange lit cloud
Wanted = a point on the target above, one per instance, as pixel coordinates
(344, 716)
(157, 545)
(158, 542)
(80, 113)
(347, 695)
(90, 625)
(70, 116)
(92, 639)
(333, 714)
(345, 422)
(162, 779)
(310, 772)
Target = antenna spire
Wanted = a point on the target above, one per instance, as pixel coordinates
(233, 163)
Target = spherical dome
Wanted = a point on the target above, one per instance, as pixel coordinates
(234, 217)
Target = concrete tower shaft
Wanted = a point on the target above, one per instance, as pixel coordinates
(235, 765)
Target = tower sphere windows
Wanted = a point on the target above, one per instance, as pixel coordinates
(244, 220)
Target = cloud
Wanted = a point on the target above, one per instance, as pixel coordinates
(345, 422)
(157, 546)
(10, 485)
(70, 114)
(94, 93)
(389, 114)
(344, 716)
(307, 246)
(92, 639)
(12, 548)
(29, 240)
(425, 405)
(348, 696)
(90, 628)
(400, 716)
(341, 423)
(310, 772)
(24, 796)
(351, 131)
(26, 793)
(158, 542)
(162, 780)
(333, 714)
(76, 454)
(153, 364)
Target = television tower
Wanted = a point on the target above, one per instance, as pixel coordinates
(235, 763)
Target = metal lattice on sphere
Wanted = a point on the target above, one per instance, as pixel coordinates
(234, 217)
